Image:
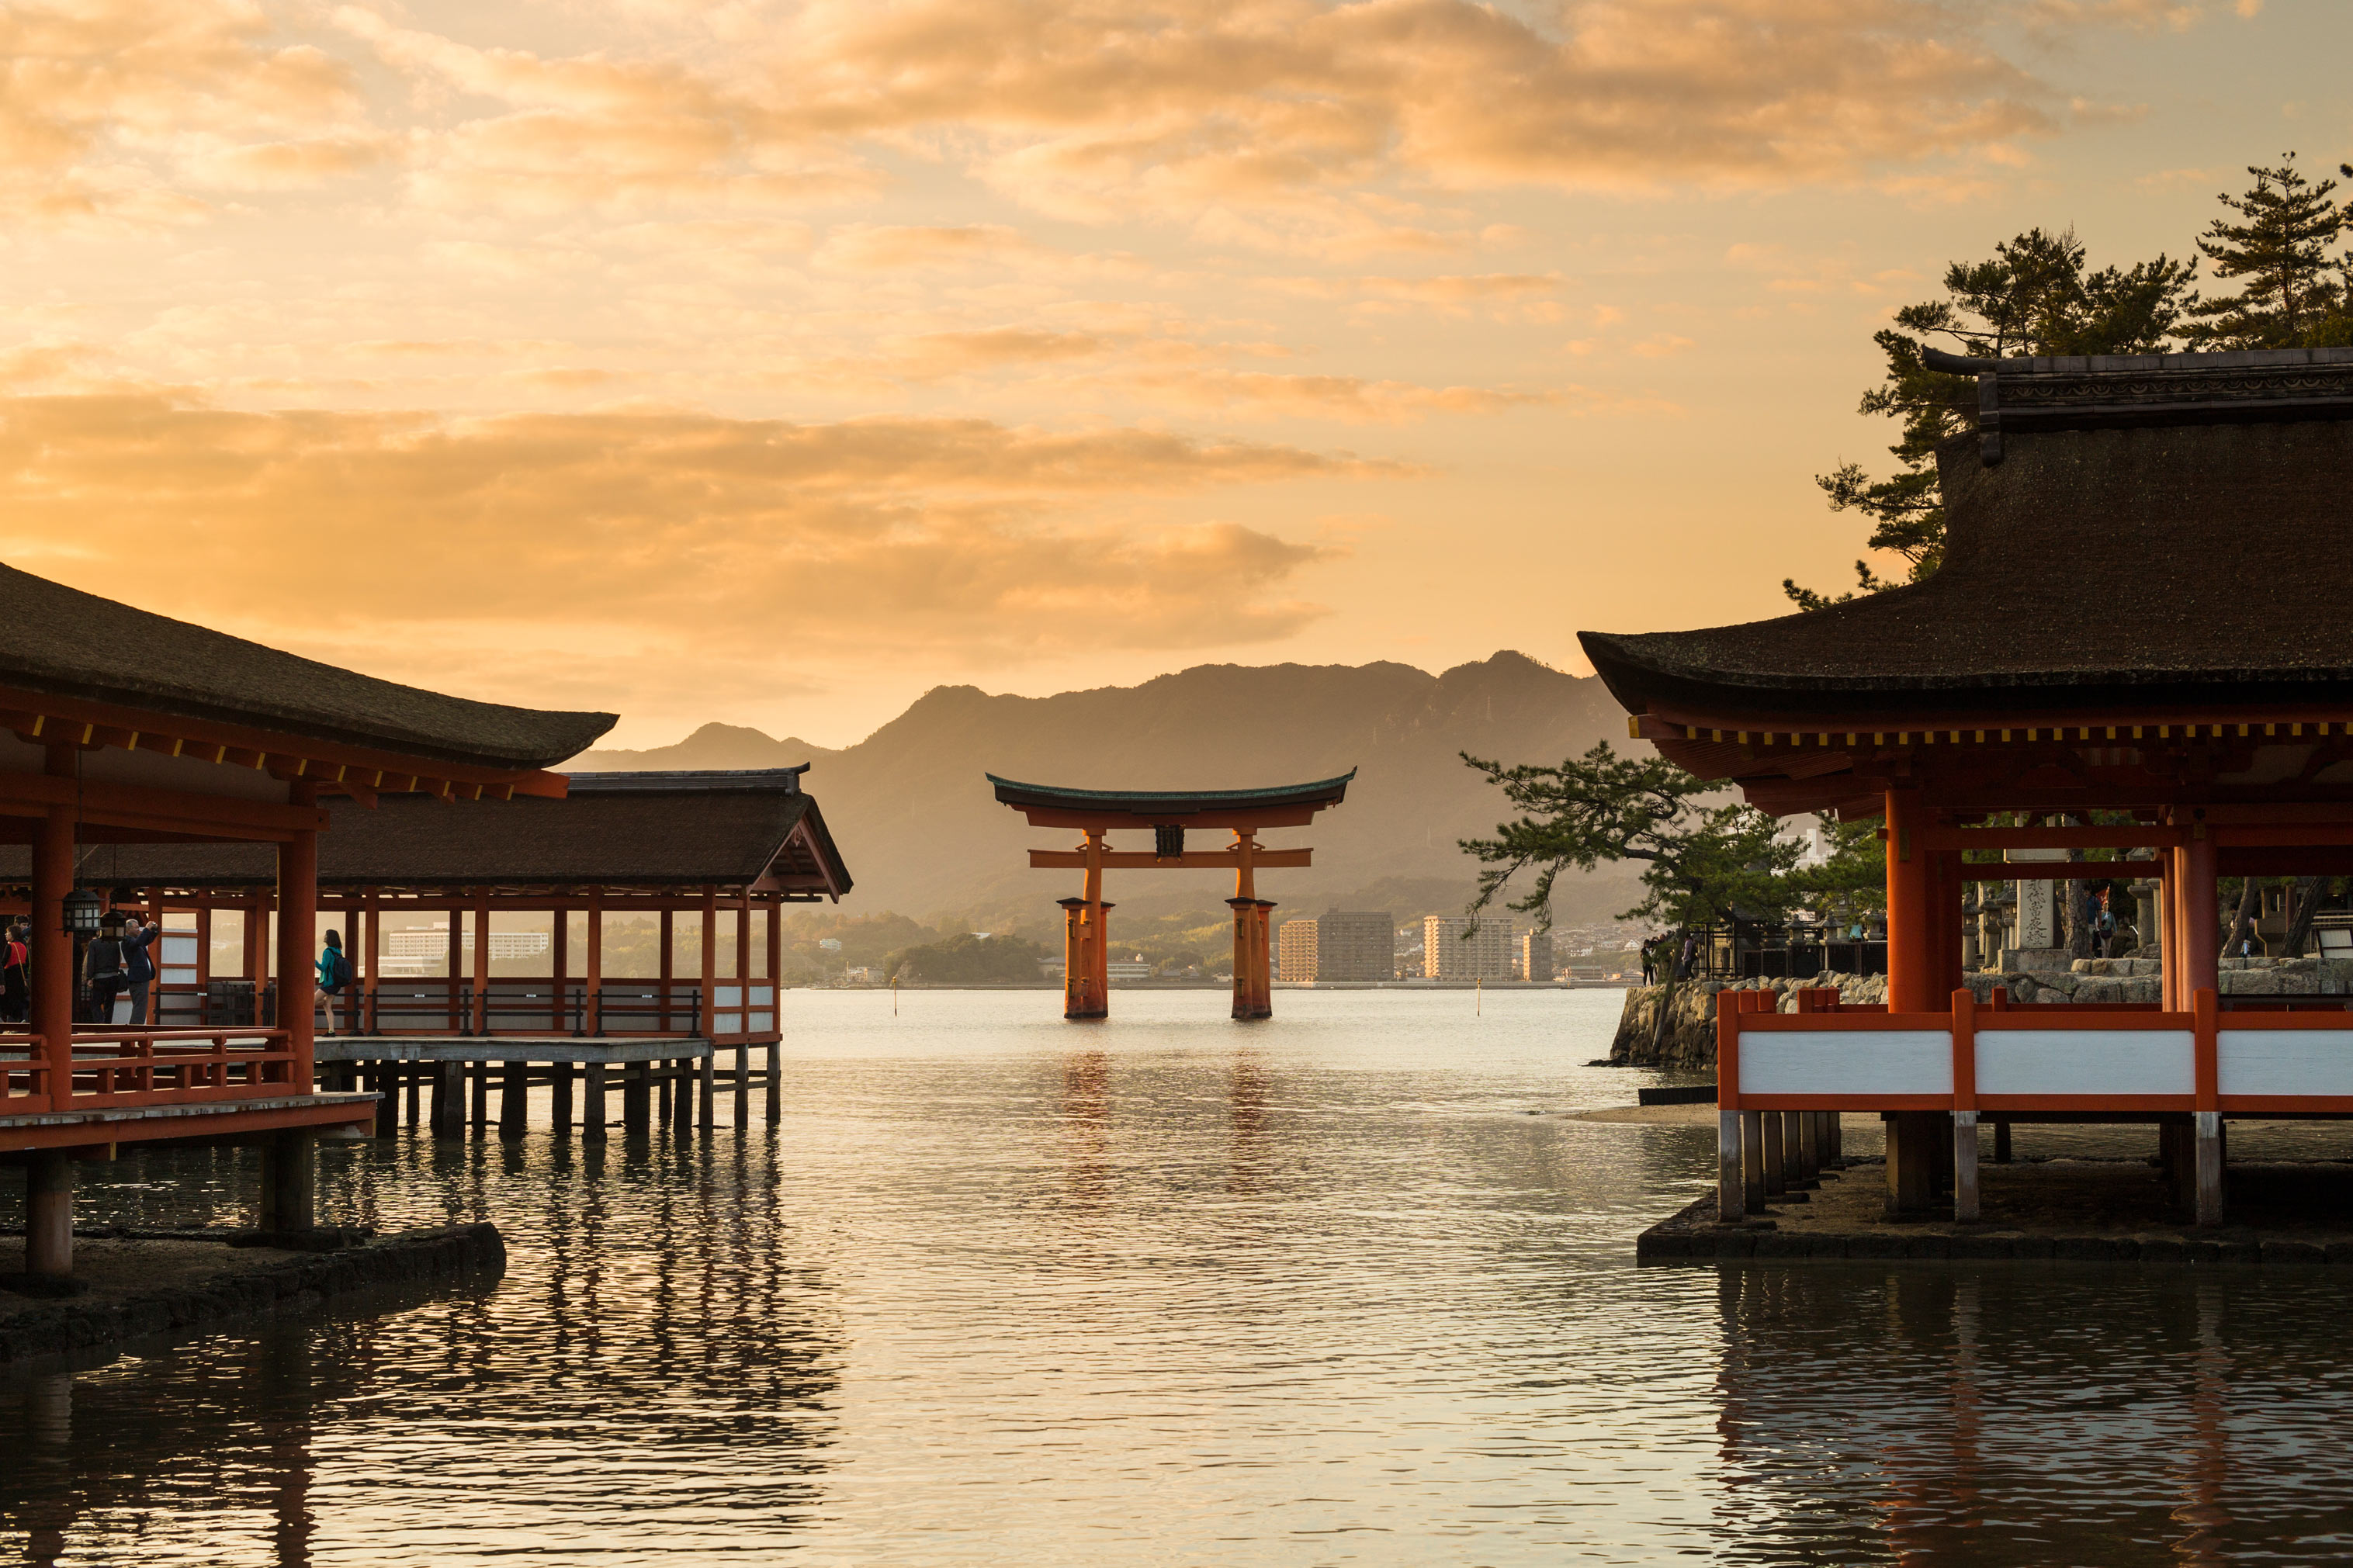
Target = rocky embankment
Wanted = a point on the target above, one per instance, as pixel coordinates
(1688, 1041)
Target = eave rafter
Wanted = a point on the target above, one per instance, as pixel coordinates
(332, 767)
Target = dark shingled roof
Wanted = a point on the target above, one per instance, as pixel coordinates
(1144, 803)
(2153, 565)
(61, 642)
(614, 829)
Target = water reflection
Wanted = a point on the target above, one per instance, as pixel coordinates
(2025, 1415)
(1321, 1291)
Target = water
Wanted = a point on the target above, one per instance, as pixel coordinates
(1175, 1290)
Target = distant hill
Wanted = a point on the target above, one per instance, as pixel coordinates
(922, 836)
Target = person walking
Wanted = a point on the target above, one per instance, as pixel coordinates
(335, 978)
(101, 970)
(15, 976)
(139, 964)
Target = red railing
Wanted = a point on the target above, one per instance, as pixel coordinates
(147, 1066)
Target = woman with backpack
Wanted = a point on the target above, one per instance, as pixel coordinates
(334, 977)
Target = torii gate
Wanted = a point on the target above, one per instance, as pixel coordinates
(1168, 813)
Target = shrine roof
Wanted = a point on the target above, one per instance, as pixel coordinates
(60, 642)
(673, 829)
(2131, 537)
(1148, 807)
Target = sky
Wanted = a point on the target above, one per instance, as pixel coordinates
(774, 363)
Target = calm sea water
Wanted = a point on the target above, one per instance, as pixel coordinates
(1003, 1291)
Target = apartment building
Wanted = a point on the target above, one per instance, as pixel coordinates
(1450, 950)
(1354, 944)
(1296, 949)
(1532, 955)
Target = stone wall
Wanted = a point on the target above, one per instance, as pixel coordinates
(1688, 1043)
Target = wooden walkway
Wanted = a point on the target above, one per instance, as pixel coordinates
(442, 1082)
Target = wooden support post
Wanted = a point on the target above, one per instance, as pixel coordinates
(456, 966)
(48, 1192)
(477, 1075)
(2001, 1141)
(361, 1003)
(1777, 1170)
(481, 1021)
(559, 963)
(412, 1078)
(776, 1082)
(387, 1104)
(637, 1098)
(1965, 1166)
(1807, 1144)
(667, 942)
(682, 1101)
(744, 979)
(592, 1002)
(707, 1092)
(1731, 1192)
(662, 1077)
(1730, 1182)
(448, 1100)
(289, 1168)
(559, 1097)
(593, 1115)
(298, 934)
(2205, 1021)
(513, 1100)
(1752, 1161)
(1912, 968)
(51, 1013)
(706, 1007)
(1915, 1148)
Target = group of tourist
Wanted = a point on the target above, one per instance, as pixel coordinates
(121, 959)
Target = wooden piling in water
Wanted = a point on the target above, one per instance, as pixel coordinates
(592, 1120)
(776, 1079)
(559, 1097)
(637, 1097)
(514, 1100)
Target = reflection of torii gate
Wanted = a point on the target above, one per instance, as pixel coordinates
(1168, 813)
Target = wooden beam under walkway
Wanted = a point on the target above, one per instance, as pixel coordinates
(667, 1082)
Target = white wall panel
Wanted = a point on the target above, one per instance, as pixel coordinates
(2086, 1061)
(2285, 1061)
(1847, 1061)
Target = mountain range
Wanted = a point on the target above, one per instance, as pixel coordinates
(924, 837)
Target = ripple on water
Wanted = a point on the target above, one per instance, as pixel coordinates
(1171, 1289)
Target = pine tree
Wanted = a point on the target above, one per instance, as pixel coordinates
(2032, 297)
(2282, 249)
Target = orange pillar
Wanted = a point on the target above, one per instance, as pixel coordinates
(2200, 921)
(1078, 969)
(53, 956)
(1913, 972)
(481, 1019)
(592, 982)
(298, 923)
(1264, 954)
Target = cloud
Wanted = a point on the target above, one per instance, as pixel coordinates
(118, 109)
(1353, 399)
(725, 539)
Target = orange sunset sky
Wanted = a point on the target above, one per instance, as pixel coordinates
(773, 363)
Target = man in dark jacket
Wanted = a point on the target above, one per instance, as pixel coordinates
(139, 964)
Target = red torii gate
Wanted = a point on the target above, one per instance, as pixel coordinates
(1167, 813)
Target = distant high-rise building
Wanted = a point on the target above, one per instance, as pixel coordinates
(1295, 950)
(1449, 953)
(1532, 955)
(1354, 944)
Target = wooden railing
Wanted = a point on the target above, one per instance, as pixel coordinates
(736, 1010)
(2060, 1057)
(146, 1066)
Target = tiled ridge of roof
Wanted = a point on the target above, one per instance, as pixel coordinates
(701, 781)
(62, 642)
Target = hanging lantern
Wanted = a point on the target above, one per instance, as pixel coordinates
(82, 911)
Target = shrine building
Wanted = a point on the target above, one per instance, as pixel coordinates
(2140, 638)
(119, 727)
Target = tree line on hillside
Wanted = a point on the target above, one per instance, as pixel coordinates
(2036, 295)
